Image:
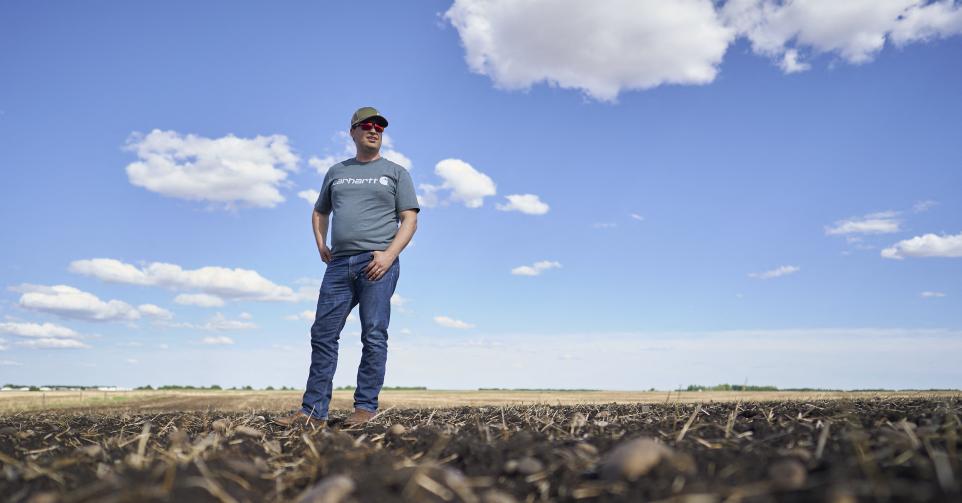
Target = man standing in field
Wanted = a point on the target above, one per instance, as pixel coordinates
(368, 196)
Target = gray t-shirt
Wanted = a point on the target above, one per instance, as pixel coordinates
(366, 199)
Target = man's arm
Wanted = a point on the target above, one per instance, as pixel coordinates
(383, 259)
(319, 222)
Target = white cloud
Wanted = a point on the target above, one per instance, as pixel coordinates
(927, 294)
(605, 47)
(245, 316)
(51, 343)
(791, 64)
(447, 322)
(309, 195)
(218, 323)
(525, 203)
(398, 302)
(132, 361)
(390, 153)
(535, 269)
(155, 311)
(939, 19)
(883, 222)
(220, 281)
(305, 315)
(69, 302)
(9, 363)
(604, 225)
(600, 47)
(219, 340)
(347, 150)
(199, 299)
(923, 206)
(929, 245)
(856, 30)
(322, 164)
(229, 170)
(44, 330)
(466, 185)
(637, 217)
(775, 273)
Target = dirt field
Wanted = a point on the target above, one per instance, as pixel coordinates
(223, 447)
(240, 401)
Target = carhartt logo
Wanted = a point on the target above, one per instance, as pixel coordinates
(382, 180)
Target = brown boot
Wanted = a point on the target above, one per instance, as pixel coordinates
(359, 417)
(300, 417)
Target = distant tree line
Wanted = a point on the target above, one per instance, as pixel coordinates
(395, 388)
(213, 387)
(731, 387)
(537, 389)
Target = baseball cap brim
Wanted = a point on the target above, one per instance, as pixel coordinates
(368, 113)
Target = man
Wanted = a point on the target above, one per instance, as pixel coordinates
(368, 196)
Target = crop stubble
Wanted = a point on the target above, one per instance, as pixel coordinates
(884, 449)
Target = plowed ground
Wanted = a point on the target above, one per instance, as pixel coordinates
(881, 449)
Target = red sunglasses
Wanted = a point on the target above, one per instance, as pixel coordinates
(367, 126)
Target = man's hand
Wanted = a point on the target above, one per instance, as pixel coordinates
(379, 265)
(325, 254)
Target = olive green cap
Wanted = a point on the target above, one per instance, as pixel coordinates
(365, 113)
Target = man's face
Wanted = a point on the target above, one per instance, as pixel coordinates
(369, 139)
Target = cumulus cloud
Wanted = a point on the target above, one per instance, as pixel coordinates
(600, 47)
(309, 195)
(605, 47)
(447, 322)
(323, 164)
(41, 330)
(535, 269)
(392, 154)
(218, 340)
(775, 273)
(928, 245)
(43, 336)
(52, 343)
(69, 302)
(218, 323)
(791, 64)
(234, 284)
(155, 311)
(462, 183)
(399, 303)
(525, 203)
(199, 299)
(855, 30)
(346, 150)
(305, 315)
(884, 222)
(228, 171)
(927, 294)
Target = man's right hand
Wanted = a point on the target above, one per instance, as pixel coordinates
(325, 254)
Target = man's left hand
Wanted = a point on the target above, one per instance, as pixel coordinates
(379, 265)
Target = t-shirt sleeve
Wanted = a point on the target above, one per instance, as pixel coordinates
(406, 199)
(323, 204)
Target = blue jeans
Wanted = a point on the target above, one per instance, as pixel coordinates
(345, 285)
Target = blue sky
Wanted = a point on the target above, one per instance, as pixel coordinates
(750, 190)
